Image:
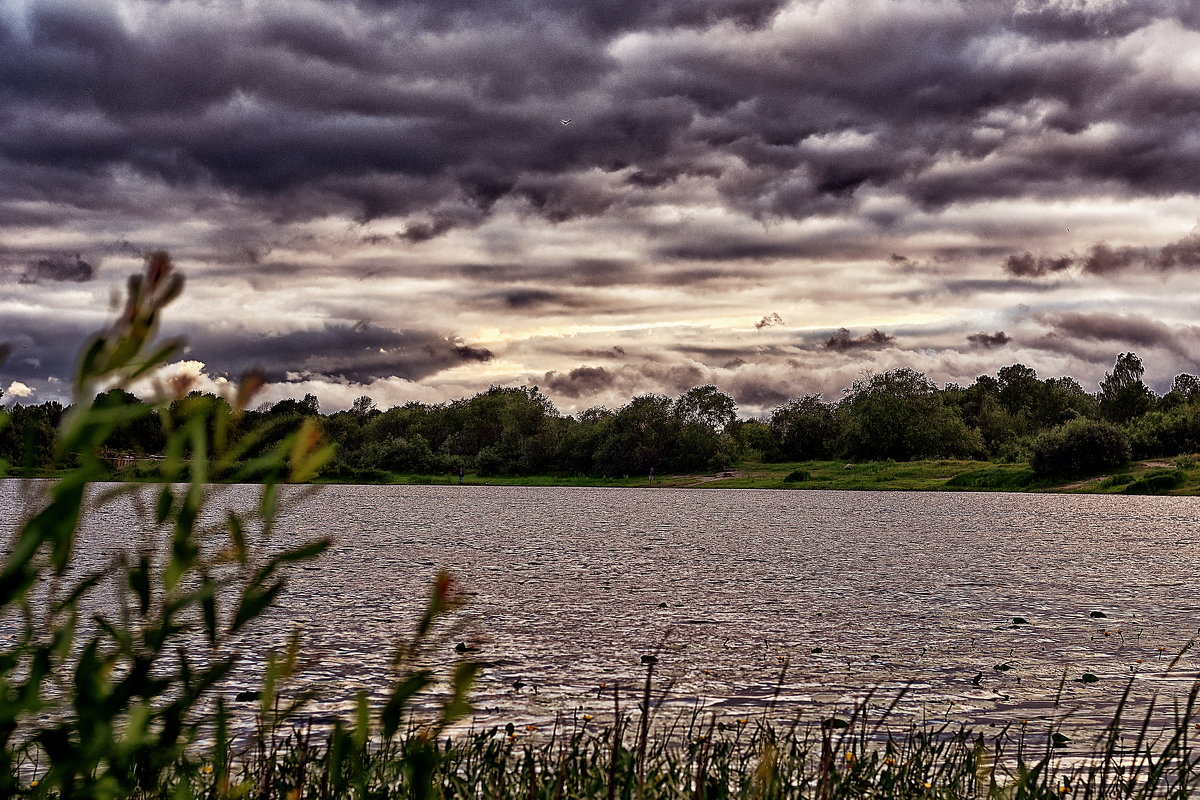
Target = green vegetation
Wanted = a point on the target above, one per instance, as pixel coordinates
(99, 703)
(1054, 425)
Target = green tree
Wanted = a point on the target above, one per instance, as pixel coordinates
(805, 429)
(900, 415)
(1123, 395)
(1079, 447)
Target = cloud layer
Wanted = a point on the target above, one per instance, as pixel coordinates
(379, 195)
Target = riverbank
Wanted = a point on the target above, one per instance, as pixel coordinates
(1178, 476)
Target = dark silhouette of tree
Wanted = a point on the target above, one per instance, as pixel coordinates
(1123, 395)
(805, 429)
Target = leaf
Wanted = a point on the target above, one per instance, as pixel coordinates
(162, 507)
(397, 701)
(254, 601)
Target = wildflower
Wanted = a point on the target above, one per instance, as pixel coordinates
(207, 769)
(531, 727)
(849, 758)
(588, 718)
(34, 784)
(891, 762)
(741, 722)
(928, 785)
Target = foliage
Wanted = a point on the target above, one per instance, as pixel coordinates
(1157, 481)
(1162, 433)
(900, 415)
(106, 699)
(806, 428)
(1123, 395)
(1080, 447)
(516, 431)
(993, 478)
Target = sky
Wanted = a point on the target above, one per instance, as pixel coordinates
(604, 198)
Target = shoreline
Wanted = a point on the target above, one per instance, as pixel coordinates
(1180, 477)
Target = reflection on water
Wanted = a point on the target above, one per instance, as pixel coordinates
(853, 591)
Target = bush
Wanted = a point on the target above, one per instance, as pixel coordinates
(1078, 448)
(993, 478)
(797, 476)
(1120, 479)
(1158, 481)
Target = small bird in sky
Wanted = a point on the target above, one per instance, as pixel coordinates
(565, 121)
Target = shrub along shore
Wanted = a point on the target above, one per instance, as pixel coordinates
(1177, 476)
(1174, 476)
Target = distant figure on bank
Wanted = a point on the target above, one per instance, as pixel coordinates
(460, 476)
(652, 474)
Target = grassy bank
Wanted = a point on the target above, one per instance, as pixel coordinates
(697, 758)
(1177, 477)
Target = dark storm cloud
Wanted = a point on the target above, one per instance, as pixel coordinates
(1029, 265)
(579, 382)
(580, 272)
(356, 353)
(1124, 330)
(1103, 260)
(69, 269)
(763, 392)
(540, 300)
(989, 340)
(42, 345)
(841, 340)
(398, 107)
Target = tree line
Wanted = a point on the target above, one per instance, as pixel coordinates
(896, 415)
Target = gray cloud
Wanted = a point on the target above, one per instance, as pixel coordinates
(579, 382)
(271, 102)
(1124, 330)
(68, 269)
(357, 353)
(841, 340)
(770, 320)
(989, 340)
(1027, 264)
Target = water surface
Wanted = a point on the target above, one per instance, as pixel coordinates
(853, 591)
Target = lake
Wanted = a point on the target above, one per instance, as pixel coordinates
(855, 592)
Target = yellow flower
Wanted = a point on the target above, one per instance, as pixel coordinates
(891, 762)
(207, 769)
(33, 784)
(588, 718)
(741, 722)
(849, 758)
(531, 727)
